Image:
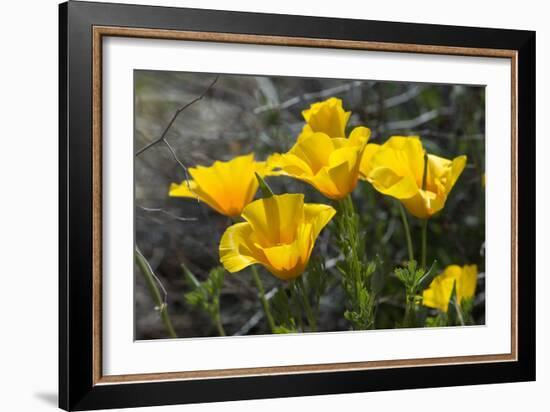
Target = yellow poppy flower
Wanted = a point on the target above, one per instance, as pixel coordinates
(327, 117)
(438, 294)
(279, 233)
(226, 187)
(322, 155)
(396, 169)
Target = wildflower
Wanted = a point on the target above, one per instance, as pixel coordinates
(328, 117)
(438, 294)
(279, 233)
(226, 187)
(397, 169)
(323, 156)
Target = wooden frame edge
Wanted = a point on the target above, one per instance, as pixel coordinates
(297, 369)
(297, 41)
(97, 358)
(514, 201)
(98, 32)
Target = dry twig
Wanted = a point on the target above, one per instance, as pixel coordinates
(310, 96)
(162, 137)
(161, 210)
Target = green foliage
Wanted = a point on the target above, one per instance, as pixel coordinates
(356, 271)
(316, 282)
(467, 307)
(409, 274)
(206, 295)
(301, 298)
(281, 330)
(264, 187)
(379, 276)
(361, 316)
(282, 311)
(415, 279)
(437, 321)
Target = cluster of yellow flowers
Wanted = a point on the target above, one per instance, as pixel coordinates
(279, 232)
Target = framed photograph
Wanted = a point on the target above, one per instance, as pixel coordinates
(256, 206)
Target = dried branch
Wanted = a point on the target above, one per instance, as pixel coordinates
(417, 121)
(389, 231)
(175, 116)
(256, 317)
(153, 281)
(395, 100)
(178, 161)
(163, 139)
(441, 135)
(309, 96)
(157, 280)
(161, 210)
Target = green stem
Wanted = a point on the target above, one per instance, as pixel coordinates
(219, 326)
(309, 313)
(406, 321)
(458, 311)
(424, 242)
(407, 231)
(265, 303)
(295, 304)
(149, 277)
(410, 309)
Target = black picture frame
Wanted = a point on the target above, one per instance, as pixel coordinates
(77, 390)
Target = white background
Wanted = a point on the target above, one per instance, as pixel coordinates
(28, 210)
(121, 355)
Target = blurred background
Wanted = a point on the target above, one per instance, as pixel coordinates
(243, 114)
